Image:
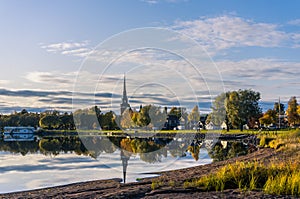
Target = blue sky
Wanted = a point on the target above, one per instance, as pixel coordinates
(254, 44)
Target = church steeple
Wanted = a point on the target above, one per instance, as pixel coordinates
(125, 103)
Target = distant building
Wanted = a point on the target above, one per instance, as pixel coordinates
(124, 105)
(211, 126)
(182, 124)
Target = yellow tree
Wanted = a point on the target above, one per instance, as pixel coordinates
(194, 116)
(269, 117)
(292, 111)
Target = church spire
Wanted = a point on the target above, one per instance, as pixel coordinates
(125, 99)
(125, 103)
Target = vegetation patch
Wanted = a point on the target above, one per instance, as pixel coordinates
(275, 179)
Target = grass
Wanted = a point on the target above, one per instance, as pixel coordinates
(232, 131)
(280, 179)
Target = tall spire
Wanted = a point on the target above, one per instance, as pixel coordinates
(124, 99)
(125, 103)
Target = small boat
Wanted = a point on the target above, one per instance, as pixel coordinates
(19, 134)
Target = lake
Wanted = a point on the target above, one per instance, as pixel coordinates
(59, 160)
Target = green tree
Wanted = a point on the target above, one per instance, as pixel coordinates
(67, 121)
(219, 114)
(50, 122)
(236, 108)
(293, 116)
(278, 108)
(241, 106)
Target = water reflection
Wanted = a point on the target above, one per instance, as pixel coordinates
(150, 150)
(122, 149)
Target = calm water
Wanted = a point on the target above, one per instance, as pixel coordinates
(61, 160)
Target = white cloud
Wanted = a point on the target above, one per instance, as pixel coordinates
(260, 69)
(150, 1)
(52, 80)
(79, 49)
(271, 77)
(224, 32)
(4, 82)
(295, 22)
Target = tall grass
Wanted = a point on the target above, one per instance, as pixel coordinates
(273, 179)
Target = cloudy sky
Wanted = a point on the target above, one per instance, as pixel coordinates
(63, 54)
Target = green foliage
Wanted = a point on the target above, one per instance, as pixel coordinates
(233, 149)
(236, 108)
(50, 122)
(218, 114)
(241, 106)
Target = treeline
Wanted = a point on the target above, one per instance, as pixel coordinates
(279, 116)
(48, 120)
(239, 108)
(234, 108)
(54, 120)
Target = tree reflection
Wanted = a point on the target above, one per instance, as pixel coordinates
(149, 150)
(232, 149)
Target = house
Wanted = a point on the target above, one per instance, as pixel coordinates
(182, 124)
(223, 125)
(211, 126)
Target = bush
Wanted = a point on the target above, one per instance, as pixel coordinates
(265, 141)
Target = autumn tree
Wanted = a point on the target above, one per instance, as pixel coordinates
(293, 116)
(270, 117)
(194, 116)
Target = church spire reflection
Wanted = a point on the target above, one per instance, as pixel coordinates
(124, 158)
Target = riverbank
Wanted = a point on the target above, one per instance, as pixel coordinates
(144, 189)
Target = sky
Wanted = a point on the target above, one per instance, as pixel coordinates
(65, 55)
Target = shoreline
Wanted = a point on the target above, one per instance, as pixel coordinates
(112, 188)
